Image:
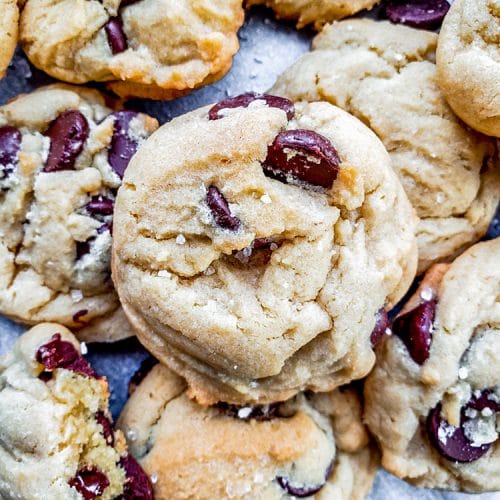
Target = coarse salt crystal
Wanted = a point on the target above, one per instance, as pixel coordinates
(181, 239)
(76, 295)
(463, 372)
(83, 348)
(244, 412)
(426, 294)
(265, 198)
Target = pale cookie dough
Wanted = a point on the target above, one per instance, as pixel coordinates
(9, 19)
(159, 49)
(62, 152)
(56, 437)
(317, 12)
(385, 75)
(314, 446)
(433, 398)
(252, 288)
(468, 63)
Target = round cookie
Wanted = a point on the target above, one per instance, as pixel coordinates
(56, 437)
(8, 32)
(254, 255)
(385, 75)
(159, 49)
(62, 155)
(433, 398)
(317, 12)
(468, 63)
(314, 446)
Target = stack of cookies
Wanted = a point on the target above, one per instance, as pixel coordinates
(304, 265)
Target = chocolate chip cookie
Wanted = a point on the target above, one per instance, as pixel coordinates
(8, 32)
(318, 12)
(468, 63)
(56, 435)
(433, 398)
(385, 75)
(62, 156)
(255, 242)
(314, 446)
(159, 49)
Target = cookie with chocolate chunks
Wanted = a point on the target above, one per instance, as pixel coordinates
(433, 398)
(8, 32)
(251, 253)
(63, 153)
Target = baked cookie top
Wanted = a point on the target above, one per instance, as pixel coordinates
(254, 255)
(158, 49)
(386, 76)
(62, 156)
(317, 12)
(56, 437)
(8, 32)
(275, 451)
(468, 63)
(433, 398)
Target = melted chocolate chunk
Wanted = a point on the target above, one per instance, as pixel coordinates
(451, 442)
(302, 155)
(381, 323)
(107, 428)
(137, 486)
(100, 205)
(62, 354)
(10, 144)
(116, 37)
(122, 146)
(244, 100)
(220, 210)
(68, 134)
(426, 14)
(414, 328)
(90, 482)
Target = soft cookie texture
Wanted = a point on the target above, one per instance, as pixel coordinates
(385, 75)
(9, 20)
(159, 49)
(62, 155)
(468, 62)
(312, 446)
(251, 283)
(433, 398)
(317, 12)
(56, 437)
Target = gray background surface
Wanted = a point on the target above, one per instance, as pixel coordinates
(268, 47)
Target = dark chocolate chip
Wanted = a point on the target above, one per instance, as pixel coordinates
(107, 428)
(244, 100)
(256, 412)
(414, 328)
(68, 133)
(146, 366)
(100, 205)
(137, 485)
(82, 248)
(107, 226)
(302, 491)
(62, 354)
(10, 144)
(220, 210)
(80, 314)
(451, 442)
(302, 155)
(484, 400)
(90, 482)
(116, 36)
(381, 323)
(426, 14)
(122, 146)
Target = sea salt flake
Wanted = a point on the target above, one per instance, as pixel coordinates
(463, 373)
(426, 294)
(76, 295)
(164, 274)
(244, 412)
(265, 198)
(181, 239)
(83, 348)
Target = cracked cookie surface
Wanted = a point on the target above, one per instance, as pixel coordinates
(468, 63)
(317, 12)
(433, 398)
(251, 284)
(385, 75)
(310, 446)
(56, 436)
(8, 32)
(158, 49)
(62, 154)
